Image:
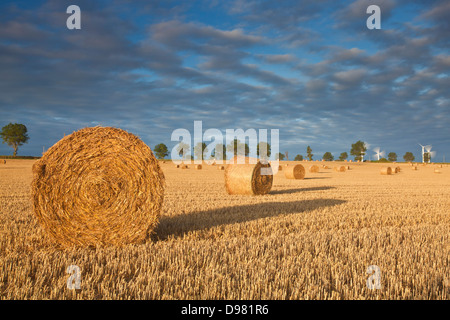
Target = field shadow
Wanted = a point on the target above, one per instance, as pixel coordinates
(290, 191)
(179, 225)
(312, 178)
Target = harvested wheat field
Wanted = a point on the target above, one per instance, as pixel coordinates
(307, 239)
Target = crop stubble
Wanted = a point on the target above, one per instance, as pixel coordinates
(307, 239)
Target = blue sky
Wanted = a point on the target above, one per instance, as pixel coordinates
(308, 68)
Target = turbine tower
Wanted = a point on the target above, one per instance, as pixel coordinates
(431, 154)
(378, 153)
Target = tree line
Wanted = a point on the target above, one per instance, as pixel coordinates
(16, 134)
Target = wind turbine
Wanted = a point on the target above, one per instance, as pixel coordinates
(428, 150)
(431, 154)
(378, 153)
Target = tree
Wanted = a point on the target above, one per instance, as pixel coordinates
(235, 146)
(298, 157)
(426, 157)
(161, 151)
(265, 149)
(328, 156)
(408, 157)
(220, 152)
(343, 156)
(14, 135)
(358, 150)
(309, 152)
(392, 156)
(280, 156)
(200, 149)
(184, 151)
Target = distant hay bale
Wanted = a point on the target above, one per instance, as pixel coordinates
(314, 168)
(325, 167)
(221, 167)
(295, 172)
(98, 186)
(348, 167)
(280, 168)
(177, 166)
(397, 169)
(437, 171)
(198, 167)
(246, 178)
(386, 170)
(340, 169)
(414, 168)
(184, 166)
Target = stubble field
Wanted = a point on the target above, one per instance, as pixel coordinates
(307, 239)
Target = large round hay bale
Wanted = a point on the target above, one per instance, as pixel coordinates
(98, 186)
(340, 169)
(246, 178)
(396, 170)
(314, 168)
(295, 172)
(386, 170)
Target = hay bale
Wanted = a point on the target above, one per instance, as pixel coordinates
(386, 170)
(437, 171)
(314, 168)
(198, 167)
(221, 167)
(295, 172)
(98, 186)
(247, 179)
(340, 169)
(414, 168)
(177, 166)
(397, 169)
(184, 166)
(348, 167)
(280, 168)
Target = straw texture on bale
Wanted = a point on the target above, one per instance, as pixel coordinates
(314, 168)
(98, 186)
(340, 169)
(246, 178)
(386, 170)
(295, 172)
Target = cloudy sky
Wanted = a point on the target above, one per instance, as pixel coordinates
(311, 69)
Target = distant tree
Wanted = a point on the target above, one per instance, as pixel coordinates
(392, 156)
(279, 156)
(184, 151)
(15, 135)
(309, 152)
(358, 150)
(265, 149)
(219, 152)
(161, 151)
(298, 157)
(328, 156)
(343, 156)
(200, 149)
(235, 146)
(426, 157)
(408, 157)
(383, 160)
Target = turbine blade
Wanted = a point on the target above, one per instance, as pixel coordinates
(428, 148)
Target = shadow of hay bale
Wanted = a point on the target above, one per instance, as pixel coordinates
(178, 226)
